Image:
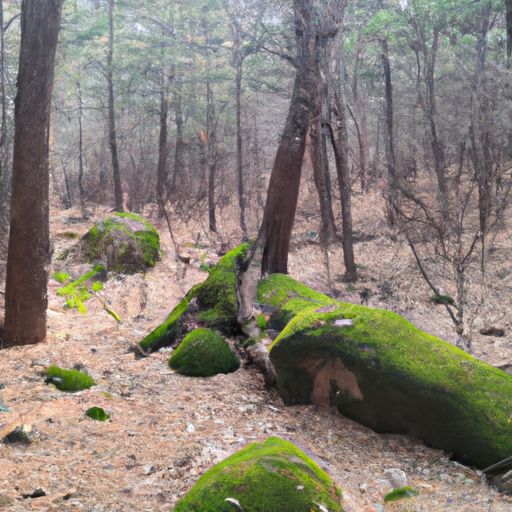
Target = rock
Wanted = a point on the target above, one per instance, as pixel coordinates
(204, 353)
(22, 434)
(211, 304)
(36, 493)
(397, 478)
(125, 242)
(388, 375)
(190, 428)
(267, 477)
(68, 380)
(496, 332)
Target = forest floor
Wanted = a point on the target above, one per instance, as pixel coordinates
(166, 430)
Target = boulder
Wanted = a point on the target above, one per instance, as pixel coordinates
(204, 353)
(68, 380)
(125, 242)
(211, 304)
(380, 370)
(264, 477)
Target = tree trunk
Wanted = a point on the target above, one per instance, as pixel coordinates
(28, 257)
(389, 135)
(179, 151)
(479, 131)
(3, 127)
(339, 139)
(239, 143)
(508, 5)
(81, 190)
(319, 152)
(118, 192)
(211, 157)
(163, 149)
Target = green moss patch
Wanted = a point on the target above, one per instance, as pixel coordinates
(400, 494)
(211, 304)
(204, 353)
(97, 413)
(264, 477)
(383, 372)
(68, 380)
(126, 242)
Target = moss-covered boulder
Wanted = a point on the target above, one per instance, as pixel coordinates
(125, 242)
(264, 477)
(204, 353)
(211, 304)
(380, 370)
(68, 380)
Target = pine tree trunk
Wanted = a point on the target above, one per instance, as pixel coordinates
(26, 296)
(163, 149)
(118, 192)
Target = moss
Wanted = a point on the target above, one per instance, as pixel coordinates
(411, 382)
(264, 477)
(68, 380)
(97, 413)
(203, 353)
(289, 297)
(215, 304)
(217, 296)
(400, 494)
(167, 333)
(126, 241)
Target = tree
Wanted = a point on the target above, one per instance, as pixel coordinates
(29, 244)
(118, 192)
(270, 254)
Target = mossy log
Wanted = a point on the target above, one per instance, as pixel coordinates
(125, 242)
(204, 353)
(373, 365)
(264, 477)
(212, 304)
(381, 371)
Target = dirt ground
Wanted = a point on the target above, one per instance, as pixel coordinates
(166, 430)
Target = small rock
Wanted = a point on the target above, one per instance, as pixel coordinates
(190, 428)
(363, 488)
(20, 435)
(149, 469)
(345, 322)
(397, 478)
(36, 493)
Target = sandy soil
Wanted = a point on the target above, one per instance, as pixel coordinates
(165, 429)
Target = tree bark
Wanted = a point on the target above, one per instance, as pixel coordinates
(339, 139)
(508, 6)
(389, 134)
(319, 148)
(118, 192)
(163, 148)
(239, 142)
(179, 152)
(26, 296)
(81, 190)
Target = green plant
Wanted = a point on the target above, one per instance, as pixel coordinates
(261, 321)
(78, 292)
